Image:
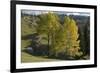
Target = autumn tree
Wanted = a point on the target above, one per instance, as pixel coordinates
(60, 41)
(48, 25)
(72, 45)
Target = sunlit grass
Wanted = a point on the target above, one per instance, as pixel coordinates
(27, 58)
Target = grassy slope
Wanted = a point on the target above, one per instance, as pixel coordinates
(30, 58)
(26, 57)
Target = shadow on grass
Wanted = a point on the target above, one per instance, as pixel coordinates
(43, 53)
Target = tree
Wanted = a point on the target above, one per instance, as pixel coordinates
(54, 27)
(60, 41)
(48, 25)
(84, 32)
(87, 38)
(72, 45)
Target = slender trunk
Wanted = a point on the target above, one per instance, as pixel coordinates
(48, 44)
(53, 42)
(48, 41)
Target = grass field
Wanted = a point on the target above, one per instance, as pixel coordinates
(30, 58)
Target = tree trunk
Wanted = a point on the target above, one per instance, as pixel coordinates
(48, 44)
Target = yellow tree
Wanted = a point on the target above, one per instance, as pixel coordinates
(60, 41)
(72, 45)
(54, 26)
(48, 24)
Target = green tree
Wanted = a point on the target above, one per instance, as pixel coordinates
(87, 38)
(84, 37)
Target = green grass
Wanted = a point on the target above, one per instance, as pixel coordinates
(25, 43)
(25, 58)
